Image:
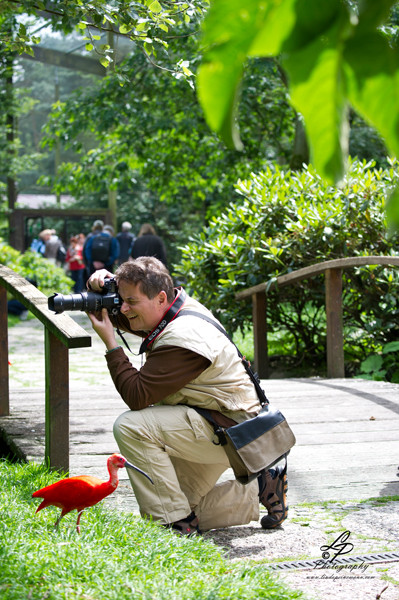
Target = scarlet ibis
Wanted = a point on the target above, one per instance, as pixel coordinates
(83, 491)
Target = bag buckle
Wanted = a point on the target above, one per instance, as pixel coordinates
(221, 436)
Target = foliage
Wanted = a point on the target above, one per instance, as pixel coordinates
(116, 556)
(284, 221)
(149, 141)
(333, 53)
(153, 131)
(15, 156)
(49, 277)
(382, 366)
(148, 24)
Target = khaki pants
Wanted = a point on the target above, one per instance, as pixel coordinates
(173, 444)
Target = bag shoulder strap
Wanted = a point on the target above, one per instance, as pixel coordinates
(253, 376)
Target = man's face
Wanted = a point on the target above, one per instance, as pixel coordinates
(143, 313)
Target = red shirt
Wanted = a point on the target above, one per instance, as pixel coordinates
(74, 258)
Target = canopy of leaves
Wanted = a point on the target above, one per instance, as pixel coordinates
(149, 141)
(148, 23)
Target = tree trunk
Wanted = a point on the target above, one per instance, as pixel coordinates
(300, 152)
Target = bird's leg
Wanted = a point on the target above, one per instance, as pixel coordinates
(58, 520)
(78, 521)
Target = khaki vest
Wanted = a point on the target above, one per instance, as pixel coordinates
(225, 385)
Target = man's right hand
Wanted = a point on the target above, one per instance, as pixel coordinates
(104, 328)
(96, 281)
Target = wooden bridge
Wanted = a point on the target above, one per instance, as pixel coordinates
(347, 430)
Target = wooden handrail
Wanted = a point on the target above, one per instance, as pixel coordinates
(333, 294)
(61, 333)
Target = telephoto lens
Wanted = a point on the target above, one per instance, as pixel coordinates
(88, 301)
(85, 301)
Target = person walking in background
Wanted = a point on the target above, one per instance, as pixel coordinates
(75, 263)
(109, 229)
(39, 244)
(149, 243)
(55, 251)
(95, 228)
(101, 249)
(125, 239)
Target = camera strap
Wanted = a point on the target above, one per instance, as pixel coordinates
(170, 314)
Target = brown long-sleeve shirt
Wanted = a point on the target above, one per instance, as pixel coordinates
(166, 371)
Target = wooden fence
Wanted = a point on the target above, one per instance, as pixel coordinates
(332, 270)
(60, 333)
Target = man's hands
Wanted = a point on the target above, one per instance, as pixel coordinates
(96, 281)
(100, 320)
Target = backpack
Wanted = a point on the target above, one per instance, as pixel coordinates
(61, 255)
(100, 248)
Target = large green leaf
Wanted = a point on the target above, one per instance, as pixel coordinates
(373, 13)
(318, 93)
(392, 209)
(228, 33)
(332, 57)
(312, 19)
(270, 38)
(372, 71)
(308, 33)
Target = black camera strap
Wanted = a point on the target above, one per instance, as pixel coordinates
(170, 314)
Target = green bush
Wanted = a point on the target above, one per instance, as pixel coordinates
(283, 221)
(31, 264)
(382, 366)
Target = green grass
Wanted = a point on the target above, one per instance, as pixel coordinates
(117, 556)
(279, 343)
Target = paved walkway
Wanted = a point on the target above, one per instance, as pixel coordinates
(346, 453)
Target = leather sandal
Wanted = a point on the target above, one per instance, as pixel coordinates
(273, 488)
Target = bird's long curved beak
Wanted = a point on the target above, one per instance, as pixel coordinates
(128, 464)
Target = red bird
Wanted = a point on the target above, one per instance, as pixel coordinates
(82, 491)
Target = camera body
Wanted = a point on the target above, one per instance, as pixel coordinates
(89, 301)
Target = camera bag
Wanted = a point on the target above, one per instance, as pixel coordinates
(259, 442)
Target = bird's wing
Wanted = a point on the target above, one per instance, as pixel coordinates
(71, 486)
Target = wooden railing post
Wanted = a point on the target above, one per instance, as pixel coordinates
(260, 334)
(57, 403)
(4, 386)
(335, 338)
(333, 279)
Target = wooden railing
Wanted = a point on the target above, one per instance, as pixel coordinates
(333, 302)
(60, 333)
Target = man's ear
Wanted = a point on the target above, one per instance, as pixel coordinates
(163, 298)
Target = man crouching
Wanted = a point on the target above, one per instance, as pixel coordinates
(189, 363)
